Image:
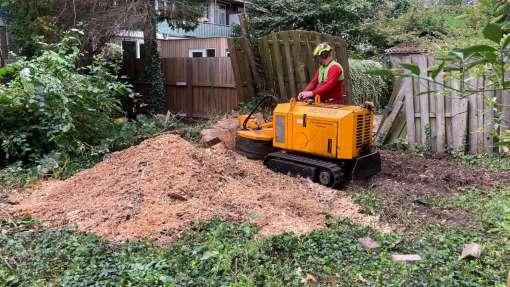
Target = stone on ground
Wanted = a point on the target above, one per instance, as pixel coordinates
(470, 251)
(405, 258)
(368, 243)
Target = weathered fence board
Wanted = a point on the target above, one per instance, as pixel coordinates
(441, 118)
(287, 62)
(440, 114)
(196, 87)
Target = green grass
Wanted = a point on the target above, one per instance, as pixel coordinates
(225, 254)
(490, 161)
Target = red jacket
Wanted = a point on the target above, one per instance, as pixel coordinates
(331, 90)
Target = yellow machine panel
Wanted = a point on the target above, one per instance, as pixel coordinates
(333, 131)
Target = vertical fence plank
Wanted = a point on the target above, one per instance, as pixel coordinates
(488, 131)
(505, 108)
(459, 118)
(423, 96)
(440, 115)
(432, 107)
(277, 64)
(410, 107)
(289, 65)
(447, 79)
(409, 104)
(472, 117)
(298, 55)
(480, 114)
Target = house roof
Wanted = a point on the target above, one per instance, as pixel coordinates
(409, 48)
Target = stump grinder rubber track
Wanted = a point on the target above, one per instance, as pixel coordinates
(326, 173)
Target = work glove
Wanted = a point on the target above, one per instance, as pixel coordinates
(305, 95)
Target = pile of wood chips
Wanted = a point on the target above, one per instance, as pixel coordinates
(161, 187)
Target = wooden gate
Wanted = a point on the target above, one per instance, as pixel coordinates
(196, 87)
(286, 61)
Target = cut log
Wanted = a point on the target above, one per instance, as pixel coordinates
(211, 136)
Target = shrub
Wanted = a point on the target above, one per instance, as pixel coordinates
(52, 105)
(365, 87)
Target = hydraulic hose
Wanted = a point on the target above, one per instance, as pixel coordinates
(265, 98)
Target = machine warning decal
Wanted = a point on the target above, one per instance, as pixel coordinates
(322, 111)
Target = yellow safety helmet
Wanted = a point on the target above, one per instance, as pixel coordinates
(321, 49)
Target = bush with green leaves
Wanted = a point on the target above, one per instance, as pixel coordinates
(52, 104)
(366, 87)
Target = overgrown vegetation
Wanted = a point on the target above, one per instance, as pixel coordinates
(57, 117)
(224, 254)
(370, 27)
(368, 88)
(52, 106)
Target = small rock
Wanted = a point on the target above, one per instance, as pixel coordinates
(309, 278)
(470, 251)
(368, 243)
(407, 258)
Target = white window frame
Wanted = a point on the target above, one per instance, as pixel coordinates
(203, 51)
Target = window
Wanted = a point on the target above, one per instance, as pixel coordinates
(220, 14)
(202, 53)
(197, 54)
(211, 53)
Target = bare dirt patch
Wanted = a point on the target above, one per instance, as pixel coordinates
(409, 183)
(159, 188)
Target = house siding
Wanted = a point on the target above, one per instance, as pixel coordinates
(180, 48)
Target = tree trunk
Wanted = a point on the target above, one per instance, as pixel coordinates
(154, 93)
(252, 57)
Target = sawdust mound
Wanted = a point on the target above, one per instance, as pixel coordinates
(159, 188)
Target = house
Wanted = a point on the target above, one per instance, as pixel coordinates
(208, 39)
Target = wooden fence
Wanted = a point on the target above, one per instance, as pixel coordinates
(425, 114)
(196, 87)
(286, 62)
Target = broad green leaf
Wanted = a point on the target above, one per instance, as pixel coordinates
(412, 68)
(436, 70)
(476, 63)
(506, 41)
(477, 49)
(493, 32)
(457, 54)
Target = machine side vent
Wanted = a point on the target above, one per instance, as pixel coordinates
(368, 132)
(280, 129)
(359, 131)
